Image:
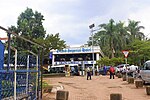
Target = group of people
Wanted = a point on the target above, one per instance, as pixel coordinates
(134, 72)
(131, 71)
(111, 71)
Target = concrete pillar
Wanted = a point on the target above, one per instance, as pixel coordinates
(138, 83)
(62, 95)
(53, 60)
(148, 90)
(97, 58)
(130, 80)
(115, 96)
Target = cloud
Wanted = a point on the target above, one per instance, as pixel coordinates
(57, 19)
(143, 16)
(71, 18)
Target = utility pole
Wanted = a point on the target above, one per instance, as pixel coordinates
(91, 27)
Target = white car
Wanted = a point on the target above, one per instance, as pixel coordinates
(133, 68)
(122, 67)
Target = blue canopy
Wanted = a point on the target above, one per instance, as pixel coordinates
(1, 55)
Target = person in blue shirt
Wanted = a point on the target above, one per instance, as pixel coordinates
(105, 70)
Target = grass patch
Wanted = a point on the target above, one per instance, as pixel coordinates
(46, 87)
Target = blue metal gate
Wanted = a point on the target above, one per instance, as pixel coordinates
(20, 77)
(21, 81)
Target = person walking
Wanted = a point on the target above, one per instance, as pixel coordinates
(88, 73)
(112, 72)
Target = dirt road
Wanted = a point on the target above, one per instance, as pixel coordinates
(99, 88)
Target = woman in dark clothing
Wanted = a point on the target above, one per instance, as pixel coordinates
(88, 73)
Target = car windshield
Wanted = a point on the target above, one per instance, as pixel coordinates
(148, 63)
(146, 66)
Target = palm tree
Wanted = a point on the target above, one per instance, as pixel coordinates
(134, 30)
(113, 38)
(108, 35)
(101, 39)
(123, 35)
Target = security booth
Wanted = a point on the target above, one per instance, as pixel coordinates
(67, 70)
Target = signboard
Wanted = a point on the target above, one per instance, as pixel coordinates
(125, 52)
(50, 55)
(74, 62)
(73, 50)
(77, 50)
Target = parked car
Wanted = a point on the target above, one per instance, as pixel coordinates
(133, 68)
(145, 72)
(101, 70)
(121, 67)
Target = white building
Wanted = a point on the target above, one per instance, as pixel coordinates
(76, 55)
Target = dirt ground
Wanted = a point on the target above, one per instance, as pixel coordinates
(99, 88)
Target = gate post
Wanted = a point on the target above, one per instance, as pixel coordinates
(1, 65)
(27, 75)
(15, 77)
(37, 93)
(41, 71)
(9, 39)
(38, 88)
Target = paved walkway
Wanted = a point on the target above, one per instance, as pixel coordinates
(99, 88)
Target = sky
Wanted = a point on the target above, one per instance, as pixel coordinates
(71, 18)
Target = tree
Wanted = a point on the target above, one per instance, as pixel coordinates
(110, 62)
(103, 61)
(139, 52)
(107, 36)
(114, 37)
(134, 30)
(51, 42)
(116, 61)
(123, 36)
(29, 25)
(110, 33)
(54, 42)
